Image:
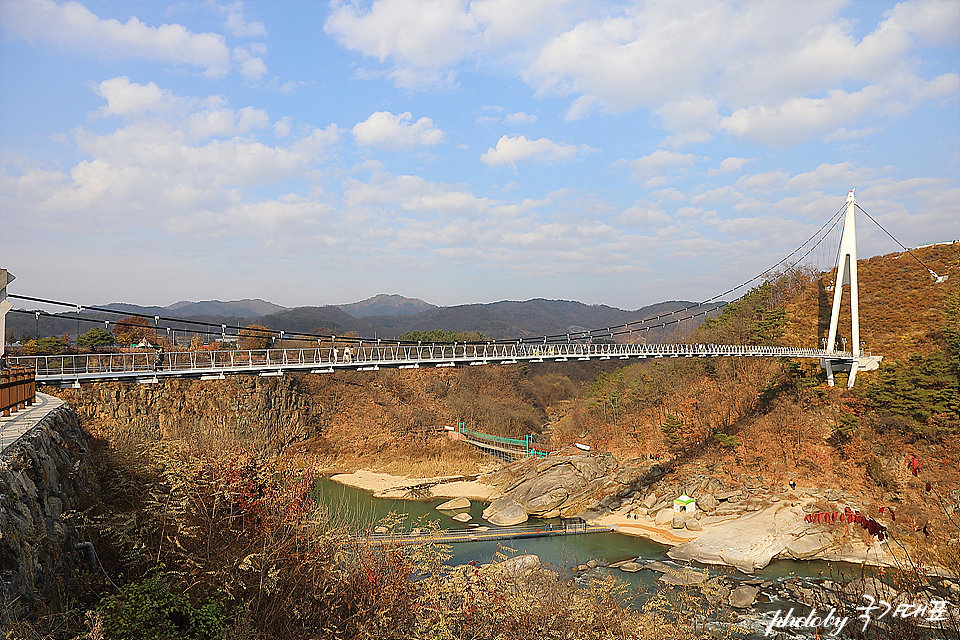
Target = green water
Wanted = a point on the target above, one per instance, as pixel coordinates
(560, 552)
(563, 553)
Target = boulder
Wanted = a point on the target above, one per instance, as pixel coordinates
(743, 597)
(694, 525)
(649, 501)
(664, 516)
(684, 577)
(678, 521)
(463, 517)
(635, 473)
(630, 567)
(505, 512)
(452, 505)
(707, 502)
(656, 565)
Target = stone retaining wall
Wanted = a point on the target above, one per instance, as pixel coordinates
(43, 477)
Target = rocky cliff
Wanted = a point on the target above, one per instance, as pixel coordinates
(567, 483)
(44, 476)
(238, 411)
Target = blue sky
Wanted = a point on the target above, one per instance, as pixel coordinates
(608, 152)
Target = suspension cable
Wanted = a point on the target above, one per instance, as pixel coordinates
(587, 333)
(834, 219)
(931, 271)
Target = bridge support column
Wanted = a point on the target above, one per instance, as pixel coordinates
(5, 305)
(846, 274)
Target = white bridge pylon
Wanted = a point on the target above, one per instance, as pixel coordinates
(847, 275)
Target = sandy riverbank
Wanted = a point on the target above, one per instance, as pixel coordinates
(384, 485)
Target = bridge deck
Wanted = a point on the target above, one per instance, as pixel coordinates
(139, 367)
(472, 535)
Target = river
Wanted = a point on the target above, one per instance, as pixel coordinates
(561, 553)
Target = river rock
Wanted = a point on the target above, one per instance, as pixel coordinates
(743, 596)
(649, 501)
(707, 502)
(678, 521)
(505, 512)
(751, 541)
(630, 567)
(452, 505)
(617, 565)
(663, 517)
(684, 577)
(463, 517)
(694, 525)
(567, 483)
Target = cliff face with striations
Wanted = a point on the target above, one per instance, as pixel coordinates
(238, 411)
(43, 477)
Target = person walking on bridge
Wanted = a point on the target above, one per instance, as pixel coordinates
(158, 359)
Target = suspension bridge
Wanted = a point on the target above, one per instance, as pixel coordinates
(72, 370)
(357, 354)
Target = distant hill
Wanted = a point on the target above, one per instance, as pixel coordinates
(507, 319)
(323, 320)
(499, 320)
(386, 305)
(246, 308)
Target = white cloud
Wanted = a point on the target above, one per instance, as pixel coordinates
(281, 128)
(730, 165)
(653, 168)
(512, 149)
(580, 108)
(796, 119)
(773, 72)
(289, 88)
(126, 99)
(199, 119)
(166, 168)
(251, 67)
(238, 25)
(424, 41)
(72, 25)
(852, 134)
(644, 216)
(520, 118)
(383, 130)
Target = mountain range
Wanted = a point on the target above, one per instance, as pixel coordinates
(382, 316)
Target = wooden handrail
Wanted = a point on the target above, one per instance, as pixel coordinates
(18, 389)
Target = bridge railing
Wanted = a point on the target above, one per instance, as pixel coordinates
(18, 389)
(325, 358)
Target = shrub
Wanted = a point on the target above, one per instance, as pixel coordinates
(150, 610)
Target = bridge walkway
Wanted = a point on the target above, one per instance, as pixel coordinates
(480, 534)
(19, 423)
(71, 370)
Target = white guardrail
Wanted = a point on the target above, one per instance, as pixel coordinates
(214, 364)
